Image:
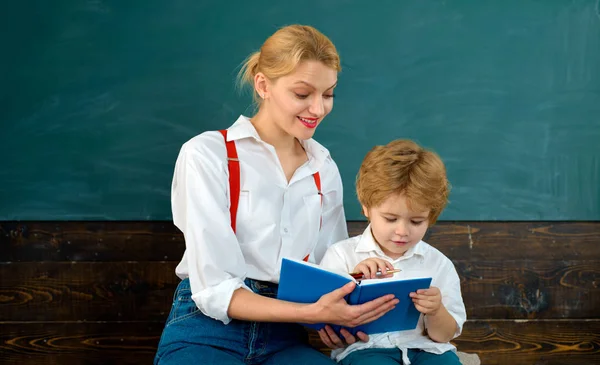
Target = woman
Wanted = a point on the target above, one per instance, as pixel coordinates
(246, 197)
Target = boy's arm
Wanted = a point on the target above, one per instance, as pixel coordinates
(441, 326)
(447, 323)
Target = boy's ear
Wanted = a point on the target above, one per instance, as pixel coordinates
(365, 211)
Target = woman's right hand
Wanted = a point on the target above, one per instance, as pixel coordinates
(333, 308)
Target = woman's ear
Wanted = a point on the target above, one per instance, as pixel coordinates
(261, 85)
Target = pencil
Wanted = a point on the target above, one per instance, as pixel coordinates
(359, 275)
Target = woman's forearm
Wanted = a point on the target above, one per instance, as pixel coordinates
(330, 308)
(249, 306)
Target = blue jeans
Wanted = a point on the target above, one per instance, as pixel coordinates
(191, 338)
(394, 357)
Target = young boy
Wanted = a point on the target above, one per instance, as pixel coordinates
(402, 189)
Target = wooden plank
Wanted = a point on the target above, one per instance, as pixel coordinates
(92, 291)
(160, 241)
(90, 241)
(500, 342)
(101, 343)
(539, 342)
(528, 289)
(86, 291)
(493, 241)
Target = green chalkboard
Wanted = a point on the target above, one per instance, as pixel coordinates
(97, 96)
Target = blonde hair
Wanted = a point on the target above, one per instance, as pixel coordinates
(284, 50)
(403, 167)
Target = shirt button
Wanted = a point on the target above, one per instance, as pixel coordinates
(285, 230)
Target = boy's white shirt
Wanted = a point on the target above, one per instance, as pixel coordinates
(422, 260)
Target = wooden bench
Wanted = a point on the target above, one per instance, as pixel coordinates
(99, 292)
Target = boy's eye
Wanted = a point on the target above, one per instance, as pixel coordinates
(416, 223)
(390, 219)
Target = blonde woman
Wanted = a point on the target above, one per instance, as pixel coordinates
(250, 195)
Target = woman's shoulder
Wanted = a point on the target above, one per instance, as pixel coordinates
(212, 143)
(206, 146)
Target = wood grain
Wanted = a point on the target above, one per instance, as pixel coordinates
(90, 241)
(497, 342)
(56, 343)
(99, 292)
(92, 291)
(528, 289)
(540, 342)
(161, 241)
(87, 291)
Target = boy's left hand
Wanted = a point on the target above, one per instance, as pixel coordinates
(427, 301)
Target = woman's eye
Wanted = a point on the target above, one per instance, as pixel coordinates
(301, 96)
(329, 96)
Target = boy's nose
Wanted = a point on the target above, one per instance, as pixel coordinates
(402, 229)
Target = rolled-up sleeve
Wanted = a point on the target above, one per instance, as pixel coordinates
(200, 206)
(449, 285)
(334, 228)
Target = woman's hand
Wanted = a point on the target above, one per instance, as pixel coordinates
(370, 266)
(332, 308)
(333, 341)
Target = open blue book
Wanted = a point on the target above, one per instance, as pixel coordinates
(304, 282)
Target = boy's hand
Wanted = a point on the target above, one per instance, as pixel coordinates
(370, 266)
(427, 301)
(333, 341)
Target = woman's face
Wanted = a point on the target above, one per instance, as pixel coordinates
(298, 102)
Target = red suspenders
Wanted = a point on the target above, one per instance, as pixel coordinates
(233, 164)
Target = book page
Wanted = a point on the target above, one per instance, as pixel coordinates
(340, 273)
(394, 278)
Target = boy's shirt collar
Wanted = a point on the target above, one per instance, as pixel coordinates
(367, 243)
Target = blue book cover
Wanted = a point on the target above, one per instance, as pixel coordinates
(303, 282)
(404, 316)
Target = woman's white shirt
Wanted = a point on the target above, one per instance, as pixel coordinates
(275, 219)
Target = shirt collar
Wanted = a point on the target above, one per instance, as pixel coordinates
(367, 243)
(243, 128)
(317, 154)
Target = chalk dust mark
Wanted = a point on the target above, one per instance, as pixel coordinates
(470, 235)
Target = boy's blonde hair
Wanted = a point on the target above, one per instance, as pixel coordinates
(404, 167)
(284, 50)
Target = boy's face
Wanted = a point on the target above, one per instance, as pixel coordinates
(395, 227)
